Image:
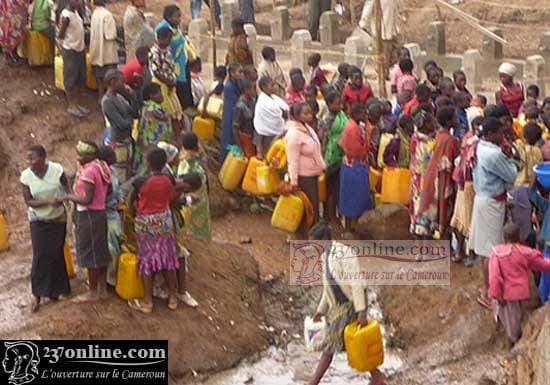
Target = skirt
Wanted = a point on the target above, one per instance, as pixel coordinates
(91, 238)
(171, 102)
(124, 153)
(509, 314)
(309, 185)
(338, 318)
(355, 197)
(49, 272)
(156, 243)
(488, 217)
(462, 216)
(74, 68)
(114, 230)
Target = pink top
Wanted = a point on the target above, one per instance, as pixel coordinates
(406, 83)
(97, 173)
(396, 73)
(293, 97)
(509, 267)
(303, 150)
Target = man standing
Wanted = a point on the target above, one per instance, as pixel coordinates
(315, 10)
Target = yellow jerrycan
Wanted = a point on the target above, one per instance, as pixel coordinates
(232, 171)
(322, 187)
(277, 151)
(268, 179)
(91, 82)
(68, 260)
(250, 183)
(129, 284)
(288, 213)
(375, 176)
(204, 128)
(4, 244)
(395, 185)
(364, 346)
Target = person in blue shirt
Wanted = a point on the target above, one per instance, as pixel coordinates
(462, 101)
(538, 196)
(493, 173)
(231, 94)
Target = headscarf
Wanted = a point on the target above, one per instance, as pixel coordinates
(170, 150)
(507, 69)
(85, 148)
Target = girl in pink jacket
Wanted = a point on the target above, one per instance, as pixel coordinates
(509, 267)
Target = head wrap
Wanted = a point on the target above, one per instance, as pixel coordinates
(170, 150)
(507, 69)
(85, 148)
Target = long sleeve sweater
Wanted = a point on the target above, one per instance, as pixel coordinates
(303, 151)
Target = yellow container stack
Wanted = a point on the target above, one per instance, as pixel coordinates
(250, 182)
(232, 171)
(267, 179)
(214, 109)
(68, 260)
(364, 346)
(129, 284)
(277, 151)
(288, 213)
(4, 244)
(91, 82)
(375, 176)
(204, 128)
(395, 185)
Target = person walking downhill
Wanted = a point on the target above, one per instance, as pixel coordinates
(90, 219)
(43, 182)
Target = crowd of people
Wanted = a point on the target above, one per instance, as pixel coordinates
(470, 162)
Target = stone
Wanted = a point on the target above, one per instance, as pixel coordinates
(535, 72)
(471, 63)
(387, 221)
(329, 29)
(300, 42)
(436, 41)
(198, 34)
(544, 46)
(280, 24)
(250, 30)
(355, 51)
(492, 49)
(230, 10)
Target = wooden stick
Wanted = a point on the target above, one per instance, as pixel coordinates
(469, 19)
(379, 49)
(213, 35)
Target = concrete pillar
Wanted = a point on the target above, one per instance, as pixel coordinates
(417, 56)
(280, 24)
(230, 10)
(329, 29)
(535, 72)
(544, 49)
(437, 43)
(300, 42)
(492, 50)
(355, 51)
(198, 34)
(471, 63)
(250, 30)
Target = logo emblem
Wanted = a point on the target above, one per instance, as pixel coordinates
(21, 362)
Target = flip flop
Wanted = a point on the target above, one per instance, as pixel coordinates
(173, 303)
(75, 112)
(471, 262)
(83, 109)
(135, 304)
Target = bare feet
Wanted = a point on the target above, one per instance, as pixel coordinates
(86, 297)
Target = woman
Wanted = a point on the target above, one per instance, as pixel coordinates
(155, 233)
(422, 144)
(510, 92)
(305, 158)
(354, 197)
(137, 32)
(231, 94)
(172, 20)
(13, 20)
(90, 219)
(43, 182)
(341, 303)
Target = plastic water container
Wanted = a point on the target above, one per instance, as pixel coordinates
(232, 171)
(288, 213)
(395, 185)
(364, 346)
(250, 181)
(214, 109)
(129, 284)
(37, 48)
(91, 82)
(377, 199)
(68, 260)
(542, 171)
(204, 128)
(375, 176)
(322, 187)
(314, 333)
(4, 244)
(267, 179)
(277, 151)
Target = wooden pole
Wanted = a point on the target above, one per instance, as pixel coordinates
(380, 57)
(213, 35)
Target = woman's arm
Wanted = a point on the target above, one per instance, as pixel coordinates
(35, 203)
(81, 200)
(293, 156)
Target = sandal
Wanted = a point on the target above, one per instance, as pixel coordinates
(471, 262)
(75, 112)
(173, 303)
(136, 304)
(188, 300)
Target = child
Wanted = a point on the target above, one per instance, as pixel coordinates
(238, 50)
(389, 148)
(318, 77)
(422, 96)
(533, 93)
(356, 91)
(154, 125)
(405, 129)
(510, 93)
(462, 101)
(545, 105)
(477, 105)
(296, 91)
(446, 88)
(270, 67)
(219, 80)
(135, 69)
(343, 75)
(401, 102)
(243, 118)
(433, 75)
(407, 81)
(395, 72)
(438, 192)
(509, 269)
(198, 88)
(314, 107)
(459, 78)
(388, 117)
(251, 73)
